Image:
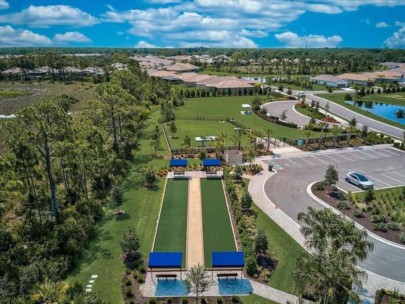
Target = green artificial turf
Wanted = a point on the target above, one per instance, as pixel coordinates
(202, 117)
(394, 98)
(171, 233)
(141, 206)
(218, 235)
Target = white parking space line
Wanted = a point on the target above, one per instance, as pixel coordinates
(293, 162)
(366, 154)
(401, 182)
(380, 181)
(340, 154)
(378, 153)
(390, 151)
(352, 153)
(338, 161)
(346, 184)
(302, 158)
(319, 159)
(398, 174)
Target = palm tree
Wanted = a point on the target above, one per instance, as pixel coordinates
(335, 131)
(268, 133)
(49, 292)
(337, 246)
(308, 135)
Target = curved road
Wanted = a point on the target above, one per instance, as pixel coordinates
(276, 108)
(287, 189)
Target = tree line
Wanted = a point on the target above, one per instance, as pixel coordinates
(59, 172)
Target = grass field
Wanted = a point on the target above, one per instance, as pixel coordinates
(395, 98)
(286, 249)
(217, 108)
(141, 206)
(171, 233)
(218, 235)
(30, 92)
(255, 299)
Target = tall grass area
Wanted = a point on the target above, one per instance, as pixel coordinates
(171, 233)
(218, 235)
(285, 248)
(141, 206)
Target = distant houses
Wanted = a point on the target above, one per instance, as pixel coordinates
(331, 81)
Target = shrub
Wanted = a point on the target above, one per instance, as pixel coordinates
(128, 282)
(142, 269)
(152, 301)
(203, 301)
(220, 301)
(381, 227)
(251, 267)
(402, 237)
(319, 186)
(169, 301)
(202, 155)
(184, 301)
(394, 226)
(358, 213)
(343, 205)
(378, 218)
(129, 293)
(141, 279)
(235, 299)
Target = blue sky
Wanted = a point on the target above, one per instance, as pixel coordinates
(211, 23)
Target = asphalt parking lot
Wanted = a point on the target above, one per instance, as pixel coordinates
(380, 165)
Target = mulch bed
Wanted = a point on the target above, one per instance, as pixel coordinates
(390, 235)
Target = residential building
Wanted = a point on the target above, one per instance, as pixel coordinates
(330, 80)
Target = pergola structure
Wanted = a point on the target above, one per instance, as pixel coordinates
(209, 166)
(247, 109)
(165, 261)
(228, 260)
(178, 163)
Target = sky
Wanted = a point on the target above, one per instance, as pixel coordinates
(208, 23)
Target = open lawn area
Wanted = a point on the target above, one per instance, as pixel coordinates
(218, 235)
(202, 117)
(285, 248)
(141, 206)
(255, 299)
(394, 98)
(171, 233)
(15, 95)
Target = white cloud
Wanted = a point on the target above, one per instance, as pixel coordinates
(144, 45)
(292, 40)
(71, 37)
(397, 40)
(11, 37)
(382, 25)
(247, 19)
(4, 4)
(46, 16)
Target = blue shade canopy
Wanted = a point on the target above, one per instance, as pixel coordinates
(178, 163)
(211, 162)
(165, 259)
(228, 259)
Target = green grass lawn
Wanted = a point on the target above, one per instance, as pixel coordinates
(395, 98)
(217, 108)
(218, 235)
(11, 93)
(308, 113)
(171, 233)
(141, 206)
(286, 249)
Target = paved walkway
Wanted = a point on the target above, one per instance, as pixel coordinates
(195, 240)
(256, 189)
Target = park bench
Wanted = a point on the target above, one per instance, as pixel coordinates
(211, 173)
(178, 173)
(227, 275)
(166, 276)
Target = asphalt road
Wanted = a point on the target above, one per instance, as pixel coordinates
(385, 166)
(276, 108)
(361, 120)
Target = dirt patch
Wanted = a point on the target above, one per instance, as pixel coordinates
(366, 222)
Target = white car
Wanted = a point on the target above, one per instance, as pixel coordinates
(359, 180)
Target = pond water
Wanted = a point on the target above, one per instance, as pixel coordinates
(171, 288)
(381, 109)
(234, 287)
